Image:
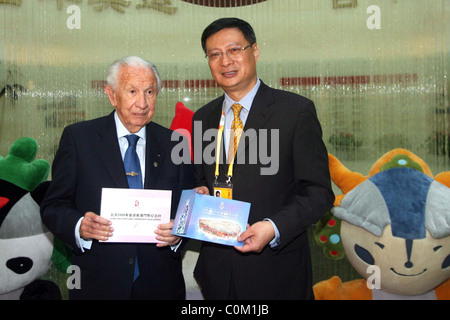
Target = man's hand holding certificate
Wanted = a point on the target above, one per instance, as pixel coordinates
(94, 227)
(137, 216)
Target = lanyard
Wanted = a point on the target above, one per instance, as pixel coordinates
(219, 142)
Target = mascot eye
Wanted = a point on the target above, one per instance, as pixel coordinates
(364, 255)
(380, 245)
(446, 262)
(20, 265)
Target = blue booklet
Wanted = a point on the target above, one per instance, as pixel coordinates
(211, 219)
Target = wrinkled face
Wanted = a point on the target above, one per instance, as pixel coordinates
(135, 97)
(236, 75)
(407, 267)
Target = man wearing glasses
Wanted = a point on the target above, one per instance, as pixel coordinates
(274, 262)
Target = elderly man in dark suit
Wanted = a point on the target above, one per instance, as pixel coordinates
(91, 157)
(274, 262)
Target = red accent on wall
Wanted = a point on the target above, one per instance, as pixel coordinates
(195, 84)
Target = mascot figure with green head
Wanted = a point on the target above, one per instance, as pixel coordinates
(26, 245)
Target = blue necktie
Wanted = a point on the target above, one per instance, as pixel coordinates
(133, 172)
(131, 163)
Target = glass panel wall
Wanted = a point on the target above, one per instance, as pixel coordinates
(376, 70)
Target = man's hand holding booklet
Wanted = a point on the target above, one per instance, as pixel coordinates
(211, 219)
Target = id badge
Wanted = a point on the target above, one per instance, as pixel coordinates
(223, 190)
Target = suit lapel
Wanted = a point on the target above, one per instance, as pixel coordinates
(109, 152)
(213, 123)
(260, 113)
(214, 117)
(154, 156)
(261, 110)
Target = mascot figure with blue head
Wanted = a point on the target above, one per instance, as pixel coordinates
(394, 230)
(26, 245)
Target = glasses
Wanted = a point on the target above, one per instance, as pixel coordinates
(233, 52)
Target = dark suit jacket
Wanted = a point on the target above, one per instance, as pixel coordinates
(296, 197)
(89, 159)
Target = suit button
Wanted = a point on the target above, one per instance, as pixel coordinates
(131, 261)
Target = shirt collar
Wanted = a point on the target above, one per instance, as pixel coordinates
(122, 131)
(245, 102)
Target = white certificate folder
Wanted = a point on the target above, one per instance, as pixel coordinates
(135, 213)
(211, 219)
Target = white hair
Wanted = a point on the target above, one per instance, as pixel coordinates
(131, 61)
